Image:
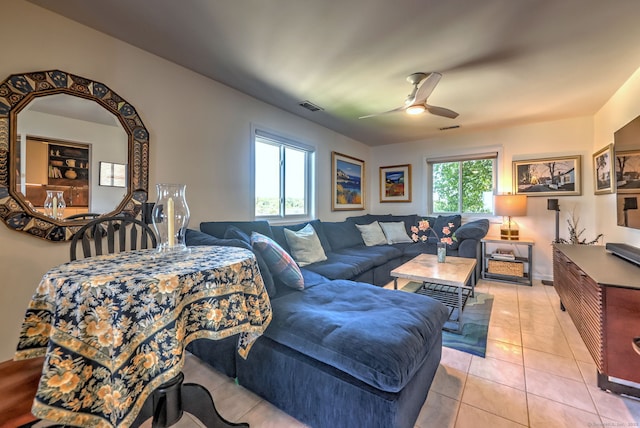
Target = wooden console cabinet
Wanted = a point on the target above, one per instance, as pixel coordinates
(601, 293)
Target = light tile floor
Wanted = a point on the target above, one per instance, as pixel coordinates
(537, 373)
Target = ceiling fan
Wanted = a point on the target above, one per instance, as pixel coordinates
(416, 102)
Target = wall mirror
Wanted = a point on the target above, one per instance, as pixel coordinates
(627, 164)
(56, 131)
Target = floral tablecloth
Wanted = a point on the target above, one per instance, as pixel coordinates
(115, 327)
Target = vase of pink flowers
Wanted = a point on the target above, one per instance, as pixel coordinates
(421, 232)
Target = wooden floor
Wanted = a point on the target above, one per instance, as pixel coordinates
(18, 384)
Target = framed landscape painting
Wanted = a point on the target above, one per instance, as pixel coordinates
(548, 177)
(347, 191)
(628, 171)
(395, 183)
(602, 169)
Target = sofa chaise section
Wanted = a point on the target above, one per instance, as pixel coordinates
(345, 354)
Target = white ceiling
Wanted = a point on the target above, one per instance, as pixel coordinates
(504, 62)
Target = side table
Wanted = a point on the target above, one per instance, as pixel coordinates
(522, 272)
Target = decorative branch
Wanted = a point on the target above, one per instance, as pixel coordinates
(575, 234)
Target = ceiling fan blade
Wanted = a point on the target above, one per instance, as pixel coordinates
(427, 87)
(441, 111)
(402, 108)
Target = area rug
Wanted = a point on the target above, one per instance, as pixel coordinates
(475, 319)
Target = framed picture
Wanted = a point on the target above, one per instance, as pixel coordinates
(602, 168)
(347, 183)
(113, 174)
(548, 177)
(395, 183)
(628, 171)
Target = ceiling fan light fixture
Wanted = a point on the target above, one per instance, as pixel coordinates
(415, 109)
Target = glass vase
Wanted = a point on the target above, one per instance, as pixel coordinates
(442, 252)
(54, 204)
(170, 217)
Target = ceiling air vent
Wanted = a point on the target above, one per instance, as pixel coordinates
(310, 106)
(446, 128)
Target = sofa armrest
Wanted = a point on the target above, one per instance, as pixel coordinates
(470, 248)
(476, 229)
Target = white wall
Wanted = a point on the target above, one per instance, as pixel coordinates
(535, 141)
(623, 107)
(199, 135)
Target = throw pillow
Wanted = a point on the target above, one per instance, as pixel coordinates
(279, 261)
(446, 227)
(305, 245)
(372, 234)
(395, 231)
(234, 232)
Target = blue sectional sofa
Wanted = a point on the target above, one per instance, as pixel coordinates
(341, 351)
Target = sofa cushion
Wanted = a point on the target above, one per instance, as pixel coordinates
(305, 245)
(369, 218)
(342, 265)
(379, 336)
(342, 234)
(476, 229)
(378, 255)
(219, 228)
(395, 232)
(372, 234)
(279, 261)
(233, 232)
(195, 238)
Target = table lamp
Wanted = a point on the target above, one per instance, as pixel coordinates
(510, 206)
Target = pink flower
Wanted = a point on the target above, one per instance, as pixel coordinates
(421, 232)
(447, 240)
(446, 230)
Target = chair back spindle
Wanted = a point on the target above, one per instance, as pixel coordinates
(108, 235)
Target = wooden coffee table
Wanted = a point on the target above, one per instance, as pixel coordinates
(445, 282)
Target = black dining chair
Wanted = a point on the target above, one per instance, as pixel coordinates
(108, 235)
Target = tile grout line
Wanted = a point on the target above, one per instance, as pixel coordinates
(524, 365)
(584, 380)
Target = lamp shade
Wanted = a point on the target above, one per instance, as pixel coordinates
(511, 205)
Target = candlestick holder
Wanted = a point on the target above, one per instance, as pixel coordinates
(170, 217)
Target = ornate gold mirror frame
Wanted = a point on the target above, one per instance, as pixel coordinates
(15, 93)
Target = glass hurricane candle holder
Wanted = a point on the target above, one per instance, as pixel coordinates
(54, 204)
(170, 217)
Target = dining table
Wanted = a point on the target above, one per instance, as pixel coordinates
(114, 328)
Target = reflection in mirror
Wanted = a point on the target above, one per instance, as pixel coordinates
(62, 139)
(38, 160)
(627, 163)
